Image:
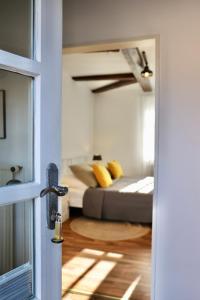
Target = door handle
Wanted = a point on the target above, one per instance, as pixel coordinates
(60, 191)
(52, 192)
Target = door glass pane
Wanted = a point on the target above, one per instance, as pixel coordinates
(16, 128)
(16, 26)
(16, 250)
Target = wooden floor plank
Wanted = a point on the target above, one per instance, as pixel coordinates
(95, 269)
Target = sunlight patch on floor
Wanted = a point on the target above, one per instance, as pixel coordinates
(92, 280)
(114, 255)
(70, 296)
(93, 252)
(131, 288)
(74, 269)
(82, 275)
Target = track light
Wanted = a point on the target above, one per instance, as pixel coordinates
(146, 72)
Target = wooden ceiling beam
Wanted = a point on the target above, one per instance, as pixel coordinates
(131, 56)
(114, 85)
(140, 58)
(106, 51)
(123, 76)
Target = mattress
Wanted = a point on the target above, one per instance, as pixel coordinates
(76, 190)
(76, 196)
(126, 200)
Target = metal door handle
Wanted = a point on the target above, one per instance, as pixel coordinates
(52, 192)
(56, 189)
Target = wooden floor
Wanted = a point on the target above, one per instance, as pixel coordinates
(105, 270)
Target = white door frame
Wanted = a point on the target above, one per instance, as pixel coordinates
(121, 44)
(46, 69)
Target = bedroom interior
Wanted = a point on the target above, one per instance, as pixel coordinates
(107, 119)
(95, 268)
(108, 115)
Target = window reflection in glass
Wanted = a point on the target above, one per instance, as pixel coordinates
(16, 249)
(16, 147)
(16, 26)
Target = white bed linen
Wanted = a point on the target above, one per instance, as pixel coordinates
(76, 196)
(76, 190)
(144, 186)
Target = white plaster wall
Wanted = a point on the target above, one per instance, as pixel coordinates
(77, 119)
(17, 148)
(117, 128)
(177, 22)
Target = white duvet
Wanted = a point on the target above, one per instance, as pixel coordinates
(144, 186)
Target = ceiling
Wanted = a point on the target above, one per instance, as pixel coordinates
(108, 62)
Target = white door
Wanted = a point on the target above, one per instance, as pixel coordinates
(30, 97)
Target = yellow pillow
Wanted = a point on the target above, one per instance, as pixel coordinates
(115, 169)
(102, 175)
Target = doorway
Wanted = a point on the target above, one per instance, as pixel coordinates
(108, 269)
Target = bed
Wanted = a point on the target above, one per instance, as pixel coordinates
(127, 199)
(76, 187)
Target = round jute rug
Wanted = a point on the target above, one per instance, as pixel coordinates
(106, 230)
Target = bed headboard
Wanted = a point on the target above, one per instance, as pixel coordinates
(65, 170)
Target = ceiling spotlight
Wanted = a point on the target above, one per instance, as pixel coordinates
(146, 72)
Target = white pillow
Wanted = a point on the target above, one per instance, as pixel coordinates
(72, 181)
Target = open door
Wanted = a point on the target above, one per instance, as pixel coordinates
(30, 96)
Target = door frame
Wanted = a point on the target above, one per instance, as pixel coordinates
(121, 44)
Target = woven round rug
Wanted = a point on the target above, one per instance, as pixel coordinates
(107, 230)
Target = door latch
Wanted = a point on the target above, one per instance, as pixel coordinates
(52, 192)
(58, 190)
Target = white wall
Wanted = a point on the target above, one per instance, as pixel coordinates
(177, 22)
(17, 148)
(77, 119)
(118, 128)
